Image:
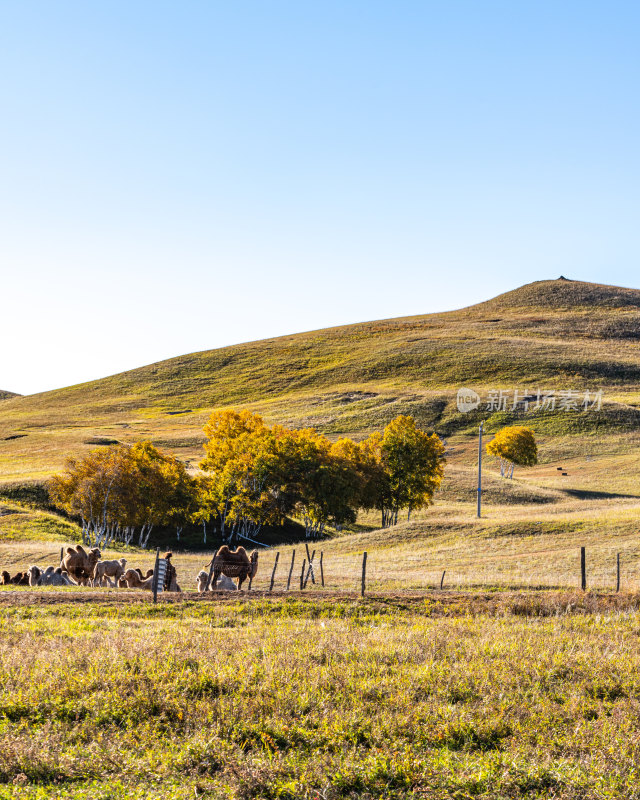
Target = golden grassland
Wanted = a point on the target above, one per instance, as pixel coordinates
(507, 683)
(353, 379)
(530, 533)
(289, 698)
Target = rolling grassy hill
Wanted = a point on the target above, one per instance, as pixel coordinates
(547, 335)
(456, 691)
(556, 334)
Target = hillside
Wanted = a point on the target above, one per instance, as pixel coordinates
(6, 395)
(557, 334)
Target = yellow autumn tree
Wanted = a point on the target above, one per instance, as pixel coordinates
(241, 468)
(121, 490)
(514, 445)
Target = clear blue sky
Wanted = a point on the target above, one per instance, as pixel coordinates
(178, 176)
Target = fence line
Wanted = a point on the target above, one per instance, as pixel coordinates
(587, 567)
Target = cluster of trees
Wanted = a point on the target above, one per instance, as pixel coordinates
(121, 491)
(514, 445)
(253, 475)
(258, 474)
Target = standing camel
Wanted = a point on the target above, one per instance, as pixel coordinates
(234, 564)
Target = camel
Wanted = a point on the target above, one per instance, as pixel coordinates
(107, 570)
(224, 582)
(170, 576)
(133, 580)
(80, 564)
(20, 579)
(235, 564)
(122, 582)
(35, 574)
(201, 581)
(51, 576)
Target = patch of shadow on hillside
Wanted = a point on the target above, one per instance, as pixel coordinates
(588, 494)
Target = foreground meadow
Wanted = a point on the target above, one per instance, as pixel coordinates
(533, 696)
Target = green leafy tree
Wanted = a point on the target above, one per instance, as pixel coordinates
(514, 445)
(320, 480)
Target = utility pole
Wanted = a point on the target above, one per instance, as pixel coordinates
(480, 469)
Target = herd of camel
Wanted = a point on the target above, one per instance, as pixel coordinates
(81, 568)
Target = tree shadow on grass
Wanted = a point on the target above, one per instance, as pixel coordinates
(587, 494)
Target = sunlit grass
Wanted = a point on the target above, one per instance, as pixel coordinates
(367, 700)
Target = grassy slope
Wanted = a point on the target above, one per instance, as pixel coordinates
(438, 695)
(554, 334)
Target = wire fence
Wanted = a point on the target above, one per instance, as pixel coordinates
(608, 566)
(605, 568)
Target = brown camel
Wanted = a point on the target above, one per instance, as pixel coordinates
(170, 576)
(109, 571)
(80, 564)
(122, 581)
(133, 580)
(234, 564)
(5, 578)
(147, 574)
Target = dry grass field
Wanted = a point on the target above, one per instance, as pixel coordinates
(509, 682)
(533, 697)
(530, 533)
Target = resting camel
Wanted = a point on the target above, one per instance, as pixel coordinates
(106, 570)
(235, 564)
(80, 564)
(223, 582)
(19, 579)
(122, 582)
(146, 575)
(51, 576)
(133, 580)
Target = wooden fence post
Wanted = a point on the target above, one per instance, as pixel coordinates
(313, 577)
(618, 573)
(155, 576)
(364, 572)
(61, 555)
(304, 561)
(293, 558)
(310, 569)
(321, 570)
(444, 572)
(273, 574)
(583, 567)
